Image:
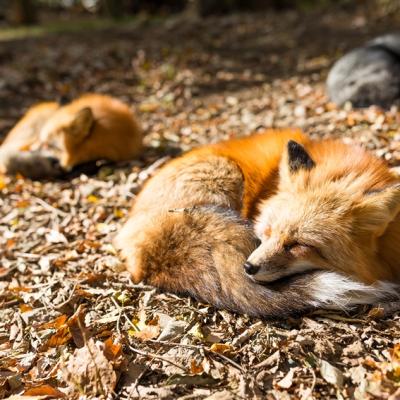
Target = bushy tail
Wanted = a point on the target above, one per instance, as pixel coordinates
(31, 164)
(201, 251)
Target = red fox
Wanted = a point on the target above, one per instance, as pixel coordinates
(51, 139)
(324, 212)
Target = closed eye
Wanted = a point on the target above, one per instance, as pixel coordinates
(289, 246)
(319, 252)
(292, 245)
(50, 146)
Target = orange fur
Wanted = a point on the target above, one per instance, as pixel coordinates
(258, 158)
(25, 132)
(90, 128)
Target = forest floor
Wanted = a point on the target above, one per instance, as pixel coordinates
(71, 321)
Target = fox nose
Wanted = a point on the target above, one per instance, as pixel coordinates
(250, 268)
(54, 162)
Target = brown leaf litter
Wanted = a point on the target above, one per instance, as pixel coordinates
(71, 321)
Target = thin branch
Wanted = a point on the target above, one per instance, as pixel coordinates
(49, 207)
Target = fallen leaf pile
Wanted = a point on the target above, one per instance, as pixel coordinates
(72, 323)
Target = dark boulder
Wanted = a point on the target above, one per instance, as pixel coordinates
(368, 75)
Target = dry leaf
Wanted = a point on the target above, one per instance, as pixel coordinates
(92, 198)
(270, 361)
(247, 333)
(147, 329)
(44, 390)
(62, 336)
(196, 368)
(25, 308)
(148, 107)
(191, 380)
(221, 395)
(287, 381)
(197, 332)
(112, 350)
(76, 324)
(370, 362)
(395, 396)
(221, 348)
(23, 397)
(331, 374)
(88, 371)
(376, 313)
(172, 330)
(56, 237)
(55, 324)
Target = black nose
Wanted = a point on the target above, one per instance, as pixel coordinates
(250, 268)
(54, 162)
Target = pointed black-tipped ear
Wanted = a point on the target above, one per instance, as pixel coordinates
(298, 158)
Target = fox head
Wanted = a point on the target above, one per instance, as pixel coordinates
(328, 214)
(63, 133)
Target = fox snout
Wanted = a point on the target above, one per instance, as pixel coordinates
(269, 262)
(267, 272)
(264, 264)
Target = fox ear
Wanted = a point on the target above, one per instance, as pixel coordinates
(81, 123)
(298, 158)
(378, 208)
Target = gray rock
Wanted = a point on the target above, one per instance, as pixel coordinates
(368, 75)
(390, 41)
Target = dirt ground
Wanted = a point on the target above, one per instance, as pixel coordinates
(71, 321)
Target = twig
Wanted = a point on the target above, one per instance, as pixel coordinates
(152, 355)
(147, 172)
(28, 255)
(126, 317)
(137, 380)
(142, 352)
(9, 271)
(313, 381)
(97, 370)
(205, 349)
(68, 299)
(49, 207)
(197, 347)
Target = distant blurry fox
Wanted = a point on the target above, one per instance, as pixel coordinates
(51, 139)
(326, 222)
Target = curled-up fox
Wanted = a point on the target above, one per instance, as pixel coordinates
(269, 225)
(52, 139)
